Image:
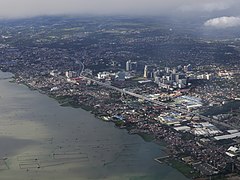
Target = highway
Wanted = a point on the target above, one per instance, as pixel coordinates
(80, 63)
(159, 103)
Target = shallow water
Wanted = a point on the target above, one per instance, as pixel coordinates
(41, 140)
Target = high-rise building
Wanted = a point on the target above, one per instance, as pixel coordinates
(71, 74)
(177, 77)
(174, 70)
(131, 66)
(145, 73)
(134, 66)
(187, 68)
(167, 69)
(149, 71)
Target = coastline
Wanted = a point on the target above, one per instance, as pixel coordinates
(68, 102)
(54, 129)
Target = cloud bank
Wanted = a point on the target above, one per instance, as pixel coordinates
(207, 6)
(223, 22)
(25, 8)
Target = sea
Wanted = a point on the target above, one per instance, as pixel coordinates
(41, 140)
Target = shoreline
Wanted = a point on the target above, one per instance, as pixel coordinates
(74, 131)
(147, 137)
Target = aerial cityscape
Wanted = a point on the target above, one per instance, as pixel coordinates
(169, 86)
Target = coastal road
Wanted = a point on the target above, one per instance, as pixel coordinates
(158, 102)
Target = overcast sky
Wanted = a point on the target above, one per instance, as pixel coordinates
(26, 8)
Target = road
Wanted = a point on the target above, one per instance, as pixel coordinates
(81, 64)
(159, 103)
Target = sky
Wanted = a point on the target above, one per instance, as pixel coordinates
(225, 13)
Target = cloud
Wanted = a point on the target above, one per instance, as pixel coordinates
(223, 22)
(216, 6)
(206, 6)
(23, 8)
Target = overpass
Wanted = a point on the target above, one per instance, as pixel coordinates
(158, 102)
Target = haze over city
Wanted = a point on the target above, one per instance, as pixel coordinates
(119, 89)
(225, 12)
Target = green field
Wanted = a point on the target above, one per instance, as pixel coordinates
(185, 169)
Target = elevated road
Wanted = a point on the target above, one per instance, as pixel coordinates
(158, 102)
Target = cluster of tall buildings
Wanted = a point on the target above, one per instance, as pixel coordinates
(119, 76)
(71, 74)
(149, 71)
(131, 66)
(168, 77)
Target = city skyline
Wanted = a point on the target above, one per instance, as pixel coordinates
(172, 83)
